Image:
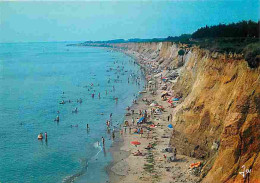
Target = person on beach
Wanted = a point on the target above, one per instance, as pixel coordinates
(99, 95)
(111, 115)
(138, 153)
(141, 132)
(169, 118)
(87, 127)
(150, 146)
(165, 158)
(121, 132)
(133, 121)
(175, 153)
(93, 95)
(148, 133)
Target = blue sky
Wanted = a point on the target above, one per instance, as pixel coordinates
(102, 20)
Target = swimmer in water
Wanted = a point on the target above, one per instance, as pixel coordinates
(46, 136)
(103, 141)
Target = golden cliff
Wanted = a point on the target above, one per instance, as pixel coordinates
(217, 119)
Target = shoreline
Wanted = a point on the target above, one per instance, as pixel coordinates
(119, 155)
(128, 168)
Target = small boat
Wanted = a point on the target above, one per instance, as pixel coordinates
(143, 92)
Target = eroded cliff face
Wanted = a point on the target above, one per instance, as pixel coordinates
(220, 108)
(217, 119)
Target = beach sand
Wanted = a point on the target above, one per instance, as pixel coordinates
(153, 166)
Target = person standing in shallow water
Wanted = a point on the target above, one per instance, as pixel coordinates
(46, 136)
(103, 141)
(113, 135)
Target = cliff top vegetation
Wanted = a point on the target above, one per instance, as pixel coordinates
(241, 38)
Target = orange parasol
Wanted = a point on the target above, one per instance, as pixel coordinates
(135, 143)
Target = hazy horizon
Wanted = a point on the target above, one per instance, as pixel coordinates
(105, 20)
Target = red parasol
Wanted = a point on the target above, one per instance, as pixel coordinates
(135, 143)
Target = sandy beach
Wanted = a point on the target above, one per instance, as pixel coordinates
(154, 164)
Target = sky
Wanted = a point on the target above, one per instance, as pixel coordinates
(38, 21)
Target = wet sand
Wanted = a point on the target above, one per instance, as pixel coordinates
(153, 166)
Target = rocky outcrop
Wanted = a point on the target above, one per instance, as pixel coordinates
(217, 119)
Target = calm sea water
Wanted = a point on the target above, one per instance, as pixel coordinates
(33, 77)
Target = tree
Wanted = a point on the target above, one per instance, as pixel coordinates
(181, 53)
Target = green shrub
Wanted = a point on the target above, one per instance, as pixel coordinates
(181, 52)
(252, 54)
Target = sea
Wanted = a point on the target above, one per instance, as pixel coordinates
(35, 79)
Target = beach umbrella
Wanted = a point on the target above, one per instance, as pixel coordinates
(135, 143)
(170, 126)
(140, 120)
(170, 100)
(152, 126)
(152, 104)
(160, 107)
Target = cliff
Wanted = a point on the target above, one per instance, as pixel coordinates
(217, 119)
